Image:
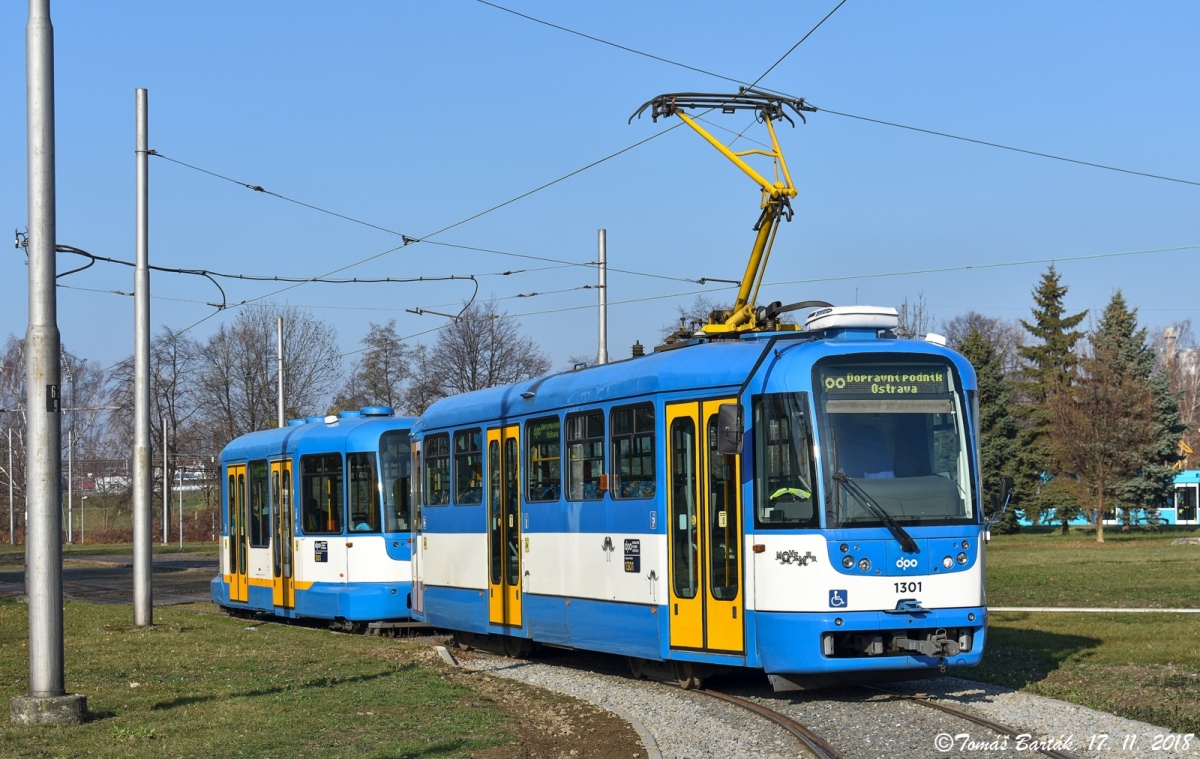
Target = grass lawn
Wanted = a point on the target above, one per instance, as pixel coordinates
(206, 685)
(1143, 666)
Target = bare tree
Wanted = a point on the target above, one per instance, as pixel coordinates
(379, 375)
(1003, 337)
(12, 400)
(239, 383)
(693, 316)
(915, 318)
(482, 348)
(176, 372)
(83, 400)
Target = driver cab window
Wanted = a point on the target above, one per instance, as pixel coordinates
(784, 483)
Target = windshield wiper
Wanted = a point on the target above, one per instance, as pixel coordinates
(902, 537)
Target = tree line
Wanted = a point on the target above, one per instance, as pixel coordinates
(206, 392)
(1081, 422)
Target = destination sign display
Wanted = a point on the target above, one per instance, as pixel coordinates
(885, 380)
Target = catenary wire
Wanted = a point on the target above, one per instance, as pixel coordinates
(793, 47)
(931, 132)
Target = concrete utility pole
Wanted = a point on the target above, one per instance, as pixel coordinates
(48, 700)
(602, 353)
(143, 550)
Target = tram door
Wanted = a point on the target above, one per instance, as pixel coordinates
(704, 522)
(504, 527)
(282, 516)
(236, 547)
(418, 543)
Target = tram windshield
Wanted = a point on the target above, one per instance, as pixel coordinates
(894, 446)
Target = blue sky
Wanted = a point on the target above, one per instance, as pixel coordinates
(414, 116)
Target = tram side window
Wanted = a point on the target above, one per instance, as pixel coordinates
(394, 451)
(437, 469)
(785, 495)
(545, 458)
(260, 507)
(364, 493)
(724, 567)
(633, 451)
(585, 455)
(321, 493)
(468, 467)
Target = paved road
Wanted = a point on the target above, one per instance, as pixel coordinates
(177, 578)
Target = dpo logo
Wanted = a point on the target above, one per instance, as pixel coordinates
(906, 563)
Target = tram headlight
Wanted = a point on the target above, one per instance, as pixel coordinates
(947, 562)
(962, 558)
(843, 548)
(864, 564)
(847, 561)
(966, 544)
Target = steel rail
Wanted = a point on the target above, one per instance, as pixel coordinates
(995, 727)
(811, 740)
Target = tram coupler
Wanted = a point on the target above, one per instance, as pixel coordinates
(936, 644)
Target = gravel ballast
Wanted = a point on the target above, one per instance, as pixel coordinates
(860, 724)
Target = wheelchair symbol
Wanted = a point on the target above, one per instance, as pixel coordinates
(838, 599)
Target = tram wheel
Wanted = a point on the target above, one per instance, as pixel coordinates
(462, 640)
(517, 648)
(637, 668)
(687, 677)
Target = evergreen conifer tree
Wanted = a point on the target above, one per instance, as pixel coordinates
(1049, 367)
(998, 429)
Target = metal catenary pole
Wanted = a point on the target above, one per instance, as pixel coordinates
(43, 527)
(70, 490)
(47, 700)
(279, 352)
(143, 612)
(12, 523)
(602, 353)
(166, 477)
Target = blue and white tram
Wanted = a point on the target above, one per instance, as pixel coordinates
(804, 503)
(316, 520)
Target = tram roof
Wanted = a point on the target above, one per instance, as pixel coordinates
(351, 433)
(710, 368)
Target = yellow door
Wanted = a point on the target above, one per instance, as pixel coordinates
(237, 548)
(504, 527)
(283, 592)
(704, 522)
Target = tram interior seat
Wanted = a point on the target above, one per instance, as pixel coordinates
(636, 488)
(471, 496)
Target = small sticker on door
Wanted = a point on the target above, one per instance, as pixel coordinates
(321, 551)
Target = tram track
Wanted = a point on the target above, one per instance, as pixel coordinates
(996, 727)
(815, 743)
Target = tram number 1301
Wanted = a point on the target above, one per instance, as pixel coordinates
(908, 587)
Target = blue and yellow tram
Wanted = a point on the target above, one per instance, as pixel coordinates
(316, 519)
(805, 503)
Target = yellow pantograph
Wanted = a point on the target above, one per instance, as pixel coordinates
(775, 203)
